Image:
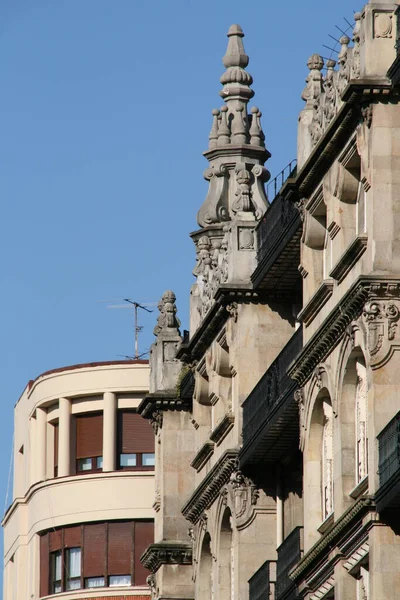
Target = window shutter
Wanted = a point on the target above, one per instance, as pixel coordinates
(89, 435)
(55, 540)
(120, 543)
(44, 564)
(72, 537)
(94, 550)
(55, 445)
(144, 536)
(135, 434)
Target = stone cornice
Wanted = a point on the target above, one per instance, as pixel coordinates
(225, 299)
(208, 490)
(166, 553)
(316, 302)
(358, 92)
(153, 405)
(349, 258)
(222, 428)
(315, 554)
(330, 332)
(202, 456)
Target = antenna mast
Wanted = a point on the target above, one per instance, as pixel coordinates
(138, 328)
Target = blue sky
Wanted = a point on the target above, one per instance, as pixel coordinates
(105, 110)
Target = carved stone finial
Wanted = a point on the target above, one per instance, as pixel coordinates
(235, 54)
(236, 80)
(213, 137)
(314, 80)
(167, 318)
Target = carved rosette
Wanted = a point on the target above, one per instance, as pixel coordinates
(381, 319)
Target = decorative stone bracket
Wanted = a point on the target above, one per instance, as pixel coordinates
(166, 553)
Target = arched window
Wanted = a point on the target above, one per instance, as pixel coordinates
(225, 558)
(327, 459)
(204, 577)
(361, 432)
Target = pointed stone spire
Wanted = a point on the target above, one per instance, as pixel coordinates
(236, 80)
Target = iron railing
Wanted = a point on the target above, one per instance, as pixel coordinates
(277, 182)
(259, 585)
(289, 554)
(389, 450)
(273, 387)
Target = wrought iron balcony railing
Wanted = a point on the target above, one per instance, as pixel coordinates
(289, 554)
(388, 495)
(278, 238)
(259, 584)
(262, 408)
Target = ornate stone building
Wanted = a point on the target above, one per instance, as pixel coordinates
(277, 417)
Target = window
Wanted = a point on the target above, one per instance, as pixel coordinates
(135, 442)
(56, 568)
(327, 460)
(89, 443)
(361, 422)
(94, 555)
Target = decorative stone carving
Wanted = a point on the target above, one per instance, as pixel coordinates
(167, 318)
(167, 553)
(232, 309)
(151, 581)
(330, 92)
(381, 318)
(366, 113)
(245, 493)
(157, 500)
(243, 201)
(245, 238)
(356, 65)
(383, 25)
(215, 208)
(344, 60)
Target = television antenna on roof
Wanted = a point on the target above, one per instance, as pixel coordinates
(137, 328)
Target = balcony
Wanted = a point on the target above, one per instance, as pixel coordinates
(259, 584)
(289, 554)
(270, 413)
(388, 494)
(278, 239)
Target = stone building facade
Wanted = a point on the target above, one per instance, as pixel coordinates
(277, 416)
(82, 513)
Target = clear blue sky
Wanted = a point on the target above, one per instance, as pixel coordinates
(105, 109)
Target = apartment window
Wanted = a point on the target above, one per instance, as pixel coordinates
(89, 443)
(135, 442)
(94, 555)
(55, 429)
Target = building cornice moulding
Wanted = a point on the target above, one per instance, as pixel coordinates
(330, 332)
(358, 93)
(226, 300)
(166, 553)
(203, 455)
(316, 302)
(208, 490)
(222, 428)
(337, 530)
(349, 258)
(153, 406)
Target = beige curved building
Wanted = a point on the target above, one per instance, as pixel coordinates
(82, 511)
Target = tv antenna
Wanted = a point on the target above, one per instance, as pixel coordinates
(137, 328)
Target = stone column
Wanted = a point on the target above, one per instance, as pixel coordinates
(41, 432)
(109, 431)
(64, 436)
(32, 451)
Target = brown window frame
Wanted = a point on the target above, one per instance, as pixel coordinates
(135, 537)
(143, 444)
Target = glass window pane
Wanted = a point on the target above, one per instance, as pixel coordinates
(57, 588)
(85, 464)
(73, 584)
(127, 460)
(92, 582)
(117, 580)
(148, 460)
(99, 462)
(73, 562)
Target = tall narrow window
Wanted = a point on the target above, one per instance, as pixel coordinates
(89, 443)
(361, 423)
(56, 571)
(73, 568)
(327, 460)
(55, 426)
